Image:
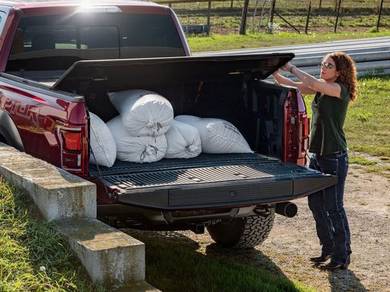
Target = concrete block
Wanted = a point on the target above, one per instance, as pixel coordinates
(110, 256)
(57, 193)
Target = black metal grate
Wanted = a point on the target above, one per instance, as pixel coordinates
(203, 160)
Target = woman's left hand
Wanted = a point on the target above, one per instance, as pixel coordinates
(287, 67)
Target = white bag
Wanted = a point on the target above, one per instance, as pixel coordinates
(183, 141)
(102, 142)
(136, 149)
(144, 113)
(217, 136)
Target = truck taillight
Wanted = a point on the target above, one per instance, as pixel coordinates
(72, 140)
(73, 149)
(296, 129)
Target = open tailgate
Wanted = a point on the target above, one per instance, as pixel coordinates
(211, 180)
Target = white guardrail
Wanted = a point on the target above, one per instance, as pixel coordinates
(372, 56)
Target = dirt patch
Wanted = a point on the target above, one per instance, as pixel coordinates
(293, 241)
(367, 202)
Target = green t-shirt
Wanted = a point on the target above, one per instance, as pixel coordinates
(327, 134)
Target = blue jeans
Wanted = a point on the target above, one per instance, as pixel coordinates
(327, 207)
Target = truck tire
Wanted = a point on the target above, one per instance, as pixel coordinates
(246, 232)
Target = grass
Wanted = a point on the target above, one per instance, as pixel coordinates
(33, 257)
(260, 40)
(368, 122)
(370, 165)
(181, 267)
(356, 159)
(231, 23)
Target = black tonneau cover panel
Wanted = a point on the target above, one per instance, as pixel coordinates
(211, 181)
(121, 74)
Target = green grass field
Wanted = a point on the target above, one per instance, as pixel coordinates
(33, 257)
(368, 122)
(261, 40)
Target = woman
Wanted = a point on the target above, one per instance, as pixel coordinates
(328, 148)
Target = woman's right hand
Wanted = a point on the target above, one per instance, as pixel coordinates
(287, 67)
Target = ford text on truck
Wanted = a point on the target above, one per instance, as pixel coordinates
(59, 61)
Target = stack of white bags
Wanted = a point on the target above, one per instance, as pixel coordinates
(139, 130)
(145, 131)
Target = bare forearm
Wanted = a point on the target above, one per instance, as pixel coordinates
(284, 80)
(307, 79)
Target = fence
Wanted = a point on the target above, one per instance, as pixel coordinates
(230, 16)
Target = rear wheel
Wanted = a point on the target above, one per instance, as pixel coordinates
(246, 232)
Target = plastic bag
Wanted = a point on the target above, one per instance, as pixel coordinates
(143, 113)
(136, 149)
(102, 142)
(217, 135)
(183, 141)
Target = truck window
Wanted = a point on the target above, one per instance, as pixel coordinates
(3, 17)
(55, 42)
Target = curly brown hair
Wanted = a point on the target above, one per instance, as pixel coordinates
(346, 67)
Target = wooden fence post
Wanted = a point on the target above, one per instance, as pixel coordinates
(308, 17)
(320, 5)
(231, 3)
(337, 16)
(379, 16)
(243, 17)
(208, 17)
(271, 19)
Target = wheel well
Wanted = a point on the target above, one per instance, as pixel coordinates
(2, 139)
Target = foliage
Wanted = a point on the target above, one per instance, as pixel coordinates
(33, 257)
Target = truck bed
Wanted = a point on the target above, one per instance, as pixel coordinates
(210, 180)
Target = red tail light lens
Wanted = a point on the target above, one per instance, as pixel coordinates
(72, 140)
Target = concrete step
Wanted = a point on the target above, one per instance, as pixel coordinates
(57, 193)
(111, 257)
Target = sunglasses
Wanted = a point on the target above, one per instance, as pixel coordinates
(327, 65)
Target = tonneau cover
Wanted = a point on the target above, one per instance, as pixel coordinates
(121, 74)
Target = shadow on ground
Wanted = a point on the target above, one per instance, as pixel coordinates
(175, 262)
(193, 252)
(345, 280)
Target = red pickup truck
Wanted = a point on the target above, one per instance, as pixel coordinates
(59, 61)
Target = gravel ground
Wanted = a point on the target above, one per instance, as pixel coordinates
(293, 240)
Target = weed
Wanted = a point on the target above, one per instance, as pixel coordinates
(33, 256)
